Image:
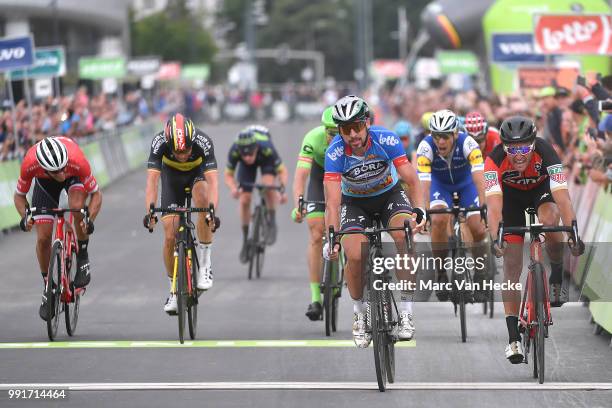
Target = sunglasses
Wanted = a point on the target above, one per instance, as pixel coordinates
(356, 127)
(247, 152)
(56, 172)
(513, 150)
(439, 136)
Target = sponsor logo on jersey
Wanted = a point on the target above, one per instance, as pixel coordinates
(514, 177)
(367, 171)
(389, 140)
(490, 179)
(204, 144)
(307, 149)
(556, 173)
(336, 153)
(157, 143)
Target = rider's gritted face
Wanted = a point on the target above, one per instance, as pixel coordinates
(519, 154)
(248, 156)
(354, 134)
(183, 155)
(59, 176)
(444, 141)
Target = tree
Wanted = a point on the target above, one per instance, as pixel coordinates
(174, 34)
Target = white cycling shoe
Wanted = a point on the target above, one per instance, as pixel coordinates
(205, 278)
(405, 327)
(361, 337)
(514, 352)
(170, 307)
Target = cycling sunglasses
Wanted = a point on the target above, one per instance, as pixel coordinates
(56, 172)
(439, 136)
(356, 127)
(518, 149)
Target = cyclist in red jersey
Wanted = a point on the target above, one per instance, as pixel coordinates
(525, 171)
(486, 136)
(56, 164)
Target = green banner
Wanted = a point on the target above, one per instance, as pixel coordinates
(195, 71)
(136, 147)
(9, 173)
(96, 161)
(48, 62)
(100, 68)
(457, 62)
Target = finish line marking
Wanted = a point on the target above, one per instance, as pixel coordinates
(189, 344)
(312, 386)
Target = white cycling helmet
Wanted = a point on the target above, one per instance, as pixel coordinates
(51, 154)
(443, 121)
(350, 109)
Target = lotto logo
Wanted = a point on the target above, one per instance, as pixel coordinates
(335, 154)
(389, 140)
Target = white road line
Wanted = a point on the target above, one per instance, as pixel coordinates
(531, 386)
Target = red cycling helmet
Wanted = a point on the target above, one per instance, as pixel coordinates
(476, 125)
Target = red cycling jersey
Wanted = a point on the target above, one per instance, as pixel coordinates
(544, 164)
(77, 166)
(492, 140)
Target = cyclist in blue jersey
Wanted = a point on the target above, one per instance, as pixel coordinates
(450, 161)
(363, 165)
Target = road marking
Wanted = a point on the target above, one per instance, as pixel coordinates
(188, 344)
(531, 386)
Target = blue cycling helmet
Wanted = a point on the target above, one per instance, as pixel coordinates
(403, 128)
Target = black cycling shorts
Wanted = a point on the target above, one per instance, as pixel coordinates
(358, 213)
(47, 194)
(315, 190)
(174, 183)
(247, 174)
(517, 201)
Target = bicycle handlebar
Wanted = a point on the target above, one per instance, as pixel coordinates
(302, 202)
(181, 210)
(32, 211)
(460, 210)
(332, 235)
(535, 230)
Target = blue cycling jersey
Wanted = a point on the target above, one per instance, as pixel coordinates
(466, 158)
(368, 175)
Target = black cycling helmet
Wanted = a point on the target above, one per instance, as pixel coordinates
(517, 129)
(246, 141)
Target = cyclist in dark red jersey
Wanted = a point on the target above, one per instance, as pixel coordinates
(486, 136)
(525, 171)
(56, 164)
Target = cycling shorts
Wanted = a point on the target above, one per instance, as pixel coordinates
(315, 192)
(47, 194)
(173, 185)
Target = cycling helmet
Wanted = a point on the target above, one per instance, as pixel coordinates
(246, 141)
(425, 120)
(476, 125)
(327, 119)
(518, 129)
(179, 132)
(443, 121)
(259, 129)
(51, 154)
(350, 109)
(403, 128)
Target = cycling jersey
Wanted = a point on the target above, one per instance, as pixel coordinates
(492, 140)
(202, 155)
(77, 166)
(372, 174)
(544, 164)
(466, 158)
(313, 148)
(266, 157)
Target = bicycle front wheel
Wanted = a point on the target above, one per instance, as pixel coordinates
(192, 307)
(389, 320)
(261, 243)
(53, 291)
(181, 290)
(327, 296)
(378, 340)
(540, 330)
(71, 310)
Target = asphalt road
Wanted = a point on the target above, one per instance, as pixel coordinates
(124, 336)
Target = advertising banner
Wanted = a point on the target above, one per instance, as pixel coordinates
(539, 77)
(101, 68)
(9, 173)
(195, 71)
(135, 147)
(457, 62)
(48, 62)
(143, 66)
(17, 52)
(96, 160)
(385, 68)
(514, 48)
(573, 34)
(169, 71)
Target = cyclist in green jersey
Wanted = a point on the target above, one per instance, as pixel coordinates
(311, 161)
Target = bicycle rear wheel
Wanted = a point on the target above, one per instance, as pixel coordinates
(71, 310)
(540, 330)
(181, 290)
(54, 290)
(192, 304)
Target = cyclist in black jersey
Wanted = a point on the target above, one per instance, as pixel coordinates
(183, 156)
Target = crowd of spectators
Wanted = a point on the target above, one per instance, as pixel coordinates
(570, 119)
